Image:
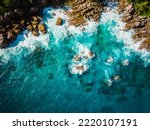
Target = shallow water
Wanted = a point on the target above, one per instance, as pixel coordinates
(35, 74)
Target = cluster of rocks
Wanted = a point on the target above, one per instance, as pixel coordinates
(10, 32)
(14, 21)
(83, 10)
(35, 26)
(140, 24)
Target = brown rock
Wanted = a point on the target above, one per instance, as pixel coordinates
(34, 26)
(29, 27)
(35, 33)
(42, 28)
(137, 24)
(35, 23)
(35, 18)
(17, 28)
(129, 7)
(11, 35)
(22, 22)
(40, 18)
(59, 21)
(3, 41)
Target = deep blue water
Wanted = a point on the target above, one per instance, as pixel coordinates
(39, 80)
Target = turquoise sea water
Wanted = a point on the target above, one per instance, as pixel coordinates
(35, 74)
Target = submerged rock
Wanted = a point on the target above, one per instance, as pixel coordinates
(110, 59)
(125, 62)
(109, 82)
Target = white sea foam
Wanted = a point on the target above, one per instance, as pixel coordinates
(60, 32)
(80, 64)
(110, 15)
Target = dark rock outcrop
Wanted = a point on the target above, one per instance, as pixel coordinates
(3, 41)
(33, 10)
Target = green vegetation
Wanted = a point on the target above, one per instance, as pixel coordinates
(142, 7)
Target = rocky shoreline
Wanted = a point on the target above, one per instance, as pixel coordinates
(140, 24)
(13, 22)
(83, 10)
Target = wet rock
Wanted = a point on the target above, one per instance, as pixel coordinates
(22, 22)
(59, 21)
(40, 18)
(33, 10)
(17, 28)
(3, 41)
(35, 32)
(35, 18)
(11, 35)
(42, 28)
(19, 12)
(29, 28)
(35, 23)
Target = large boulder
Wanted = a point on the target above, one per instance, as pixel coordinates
(59, 21)
(33, 10)
(3, 41)
(19, 12)
(11, 35)
(42, 28)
